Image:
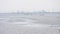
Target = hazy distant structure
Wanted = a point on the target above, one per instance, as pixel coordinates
(18, 11)
(43, 11)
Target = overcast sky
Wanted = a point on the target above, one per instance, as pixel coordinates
(29, 5)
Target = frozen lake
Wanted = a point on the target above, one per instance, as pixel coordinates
(29, 24)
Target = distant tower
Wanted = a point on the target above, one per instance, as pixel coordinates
(43, 11)
(52, 10)
(18, 12)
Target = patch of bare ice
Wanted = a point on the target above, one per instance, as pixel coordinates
(27, 24)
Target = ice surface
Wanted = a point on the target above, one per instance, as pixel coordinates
(23, 24)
